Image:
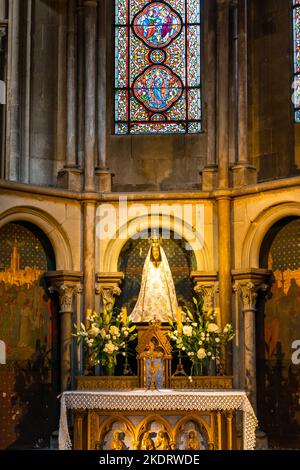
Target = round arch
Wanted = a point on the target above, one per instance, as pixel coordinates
(259, 229)
(139, 224)
(49, 226)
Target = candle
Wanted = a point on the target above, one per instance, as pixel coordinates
(124, 315)
(218, 316)
(179, 320)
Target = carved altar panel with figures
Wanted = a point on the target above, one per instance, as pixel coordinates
(163, 420)
(154, 354)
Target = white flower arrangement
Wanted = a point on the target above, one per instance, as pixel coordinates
(198, 335)
(105, 336)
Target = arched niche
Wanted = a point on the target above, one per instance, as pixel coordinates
(48, 226)
(259, 229)
(29, 327)
(136, 225)
(182, 262)
(277, 327)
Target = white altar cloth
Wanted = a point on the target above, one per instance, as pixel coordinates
(159, 400)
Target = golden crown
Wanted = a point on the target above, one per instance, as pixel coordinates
(154, 240)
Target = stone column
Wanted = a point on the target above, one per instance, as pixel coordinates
(65, 283)
(248, 290)
(223, 196)
(243, 173)
(70, 176)
(210, 171)
(223, 92)
(108, 287)
(13, 93)
(103, 175)
(90, 27)
(3, 12)
(89, 230)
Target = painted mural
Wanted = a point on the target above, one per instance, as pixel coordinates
(28, 328)
(280, 391)
(25, 309)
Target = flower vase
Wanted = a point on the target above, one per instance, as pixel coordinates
(198, 368)
(110, 370)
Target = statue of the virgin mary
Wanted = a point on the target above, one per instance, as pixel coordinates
(157, 297)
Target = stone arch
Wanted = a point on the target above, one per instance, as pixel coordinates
(108, 423)
(259, 229)
(197, 419)
(49, 226)
(115, 245)
(144, 425)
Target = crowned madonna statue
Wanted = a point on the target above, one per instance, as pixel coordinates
(157, 297)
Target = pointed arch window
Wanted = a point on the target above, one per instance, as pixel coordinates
(157, 66)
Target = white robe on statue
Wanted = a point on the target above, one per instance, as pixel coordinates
(157, 297)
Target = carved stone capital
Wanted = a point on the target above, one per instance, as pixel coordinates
(108, 287)
(109, 295)
(207, 292)
(66, 295)
(206, 286)
(66, 284)
(249, 292)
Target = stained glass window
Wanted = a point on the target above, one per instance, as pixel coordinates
(157, 67)
(296, 97)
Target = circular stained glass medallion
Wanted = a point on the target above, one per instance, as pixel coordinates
(157, 56)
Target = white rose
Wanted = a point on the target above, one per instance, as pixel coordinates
(200, 343)
(187, 330)
(183, 348)
(225, 329)
(114, 330)
(217, 340)
(209, 353)
(94, 331)
(109, 348)
(201, 354)
(213, 328)
(102, 333)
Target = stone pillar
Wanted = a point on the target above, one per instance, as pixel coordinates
(223, 194)
(243, 173)
(90, 27)
(223, 92)
(66, 284)
(89, 230)
(206, 286)
(70, 176)
(210, 171)
(108, 286)
(13, 93)
(3, 12)
(103, 175)
(247, 285)
(224, 254)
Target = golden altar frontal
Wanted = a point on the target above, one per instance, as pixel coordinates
(157, 420)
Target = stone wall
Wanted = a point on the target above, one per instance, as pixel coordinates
(271, 141)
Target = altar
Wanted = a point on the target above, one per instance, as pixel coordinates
(157, 420)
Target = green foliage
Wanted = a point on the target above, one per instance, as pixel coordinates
(201, 338)
(105, 336)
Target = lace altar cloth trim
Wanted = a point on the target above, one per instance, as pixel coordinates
(161, 400)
